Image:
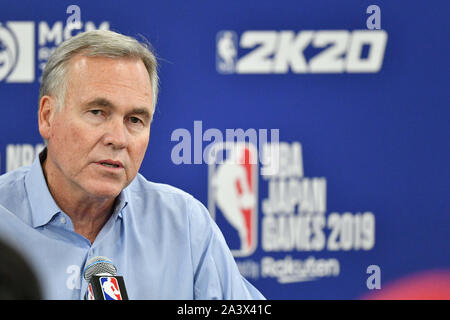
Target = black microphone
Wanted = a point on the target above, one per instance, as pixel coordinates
(103, 283)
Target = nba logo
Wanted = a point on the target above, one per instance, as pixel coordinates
(110, 288)
(226, 51)
(90, 293)
(233, 194)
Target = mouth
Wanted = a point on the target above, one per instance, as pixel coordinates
(110, 164)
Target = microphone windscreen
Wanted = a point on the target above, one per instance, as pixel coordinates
(99, 265)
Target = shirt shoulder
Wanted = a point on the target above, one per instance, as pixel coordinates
(142, 189)
(164, 199)
(13, 193)
(13, 177)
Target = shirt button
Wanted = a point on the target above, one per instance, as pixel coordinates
(63, 220)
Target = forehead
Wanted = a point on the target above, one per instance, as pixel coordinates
(124, 80)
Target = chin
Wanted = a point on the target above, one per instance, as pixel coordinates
(105, 191)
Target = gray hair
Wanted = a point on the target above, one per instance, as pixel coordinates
(96, 43)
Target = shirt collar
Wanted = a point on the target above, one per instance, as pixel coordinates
(43, 206)
(121, 203)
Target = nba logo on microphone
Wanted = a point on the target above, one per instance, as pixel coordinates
(90, 293)
(233, 194)
(110, 288)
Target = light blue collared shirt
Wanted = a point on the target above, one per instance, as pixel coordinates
(161, 240)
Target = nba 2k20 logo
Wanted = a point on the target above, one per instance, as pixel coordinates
(17, 51)
(233, 194)
(278, 52)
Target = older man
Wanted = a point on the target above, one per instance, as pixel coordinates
(83, 196)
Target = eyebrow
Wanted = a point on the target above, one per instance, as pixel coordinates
(103, 102)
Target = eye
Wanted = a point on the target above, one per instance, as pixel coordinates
(135, 120)
(95, 112)
(96, 115)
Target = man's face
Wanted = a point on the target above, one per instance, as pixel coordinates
(97, 142)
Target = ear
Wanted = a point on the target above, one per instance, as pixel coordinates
(47, 109)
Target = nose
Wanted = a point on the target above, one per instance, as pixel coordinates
(116, 134)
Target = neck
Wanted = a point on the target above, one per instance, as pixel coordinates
(88, 215)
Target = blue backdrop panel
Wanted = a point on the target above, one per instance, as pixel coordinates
(360, 101)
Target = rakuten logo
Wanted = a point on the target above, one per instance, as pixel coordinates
(336, 51)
